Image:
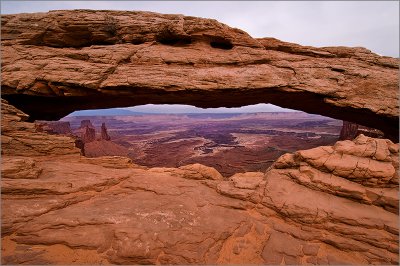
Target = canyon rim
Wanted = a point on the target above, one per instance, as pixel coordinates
(333, 204)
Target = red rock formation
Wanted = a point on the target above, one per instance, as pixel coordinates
(20, 138)
(86, 123)
(80, 145)
(349, 131)
(178, 59)
(104, 134)
(88, 134)
(98, 148)
(370, 132)
(54, 127)
(328, 205)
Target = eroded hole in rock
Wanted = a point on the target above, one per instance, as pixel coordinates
(170, 38)
(221, 43)
(138, 41)
(235, 140)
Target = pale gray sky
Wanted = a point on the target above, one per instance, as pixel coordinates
(370, 24)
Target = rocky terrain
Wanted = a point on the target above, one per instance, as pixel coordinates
(61, 208)
(231, 143)
(333, 204)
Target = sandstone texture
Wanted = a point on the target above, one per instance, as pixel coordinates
(328, 205)
(86, 123)
(19, 137)
(57, 62)
(88, 134)
(104, 134)
(54, 127)
(101, 147)
(350, 131)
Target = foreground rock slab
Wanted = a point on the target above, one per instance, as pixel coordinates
(308, 208)
(61, 61)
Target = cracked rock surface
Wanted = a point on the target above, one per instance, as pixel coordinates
(308, 208)
(57, 62)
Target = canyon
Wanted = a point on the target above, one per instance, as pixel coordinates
(230, 143)
(332, 204)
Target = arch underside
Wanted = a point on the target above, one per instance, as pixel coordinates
(105, 59)
(54, 108)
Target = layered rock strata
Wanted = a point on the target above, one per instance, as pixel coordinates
(86, 123)
(56, 127)
(329, 205)
(21, 138)
(61, 61)
(104, 134)
(88, 134)
(350, 131)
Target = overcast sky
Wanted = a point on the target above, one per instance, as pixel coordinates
(370, 24)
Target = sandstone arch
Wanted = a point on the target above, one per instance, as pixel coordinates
(61, 61)
(328, 205)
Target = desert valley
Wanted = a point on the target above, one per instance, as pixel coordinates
(231, 143)
(274, 188)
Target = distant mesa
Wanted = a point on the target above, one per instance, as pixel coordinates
(56, 127)
(86, 123)
(105, 112)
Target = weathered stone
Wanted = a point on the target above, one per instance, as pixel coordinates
(20, 138)
(54, 127)
(104, 133)
(198, 171)
(120, 58)
(249, 180)
(349, 131)
(17, 168)
(86, 123)
(88, 134)
(329, 205)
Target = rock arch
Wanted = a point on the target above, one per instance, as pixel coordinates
(61, 61)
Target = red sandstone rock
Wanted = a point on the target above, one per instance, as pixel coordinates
(104, 134)
(20, 138)
(86, 123)
(349, 131)
(80, 145)
(98, 148)
(88, 59)
(329, 205)
(54, 127)
(88, 134)
(308, 208)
